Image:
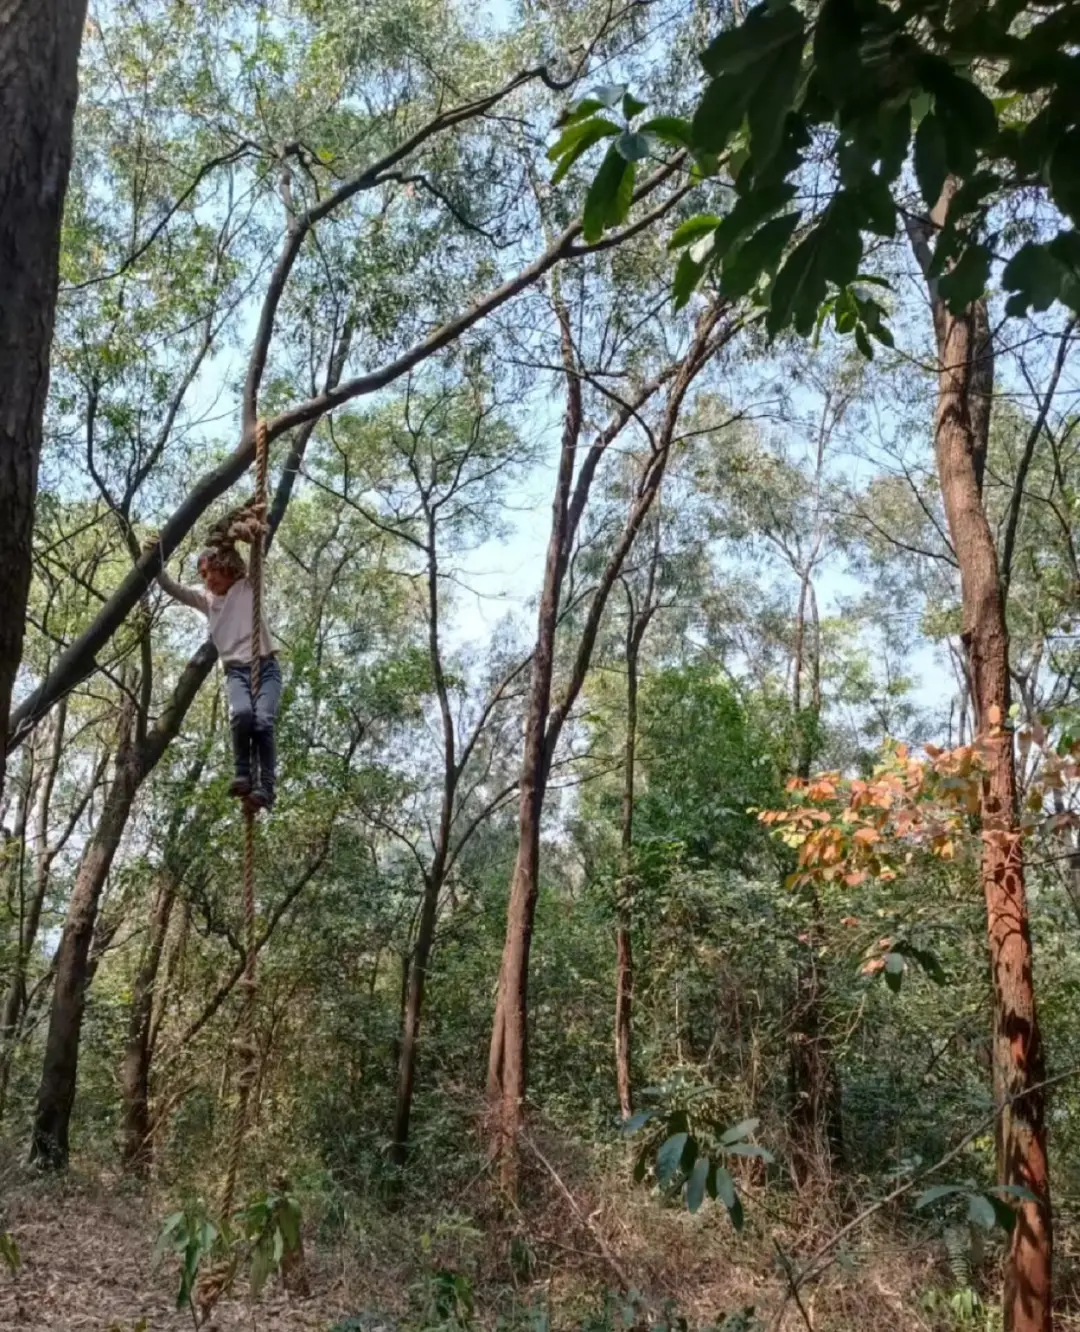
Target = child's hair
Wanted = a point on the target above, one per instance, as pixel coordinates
(227, 559)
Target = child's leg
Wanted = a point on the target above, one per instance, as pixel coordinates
(266, 706)
(242, 721)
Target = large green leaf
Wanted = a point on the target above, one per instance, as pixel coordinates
(830, 253)
(760, 253)
(588, 133)
(740, 1132)
(752, 44)
(669, 1156)
(748, 210)
(966, 280)
(931, 167)
(692, 230)
(695, 1185)
(608, 199)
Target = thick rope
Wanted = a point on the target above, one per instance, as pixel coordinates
(247, 1058)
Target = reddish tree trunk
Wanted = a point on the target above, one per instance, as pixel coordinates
(39, 54)
(965, 384)
(961, 436)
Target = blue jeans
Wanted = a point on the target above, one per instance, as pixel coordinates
(252, 720)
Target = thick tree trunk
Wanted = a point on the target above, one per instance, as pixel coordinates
(135, 1070)
(39, 55)
(56, 1092)
(964, 389)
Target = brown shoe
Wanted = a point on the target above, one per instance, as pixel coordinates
(240, 787)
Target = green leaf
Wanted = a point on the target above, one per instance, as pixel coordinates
(981, 1211)
(637, 1121)
(740, 1132)
(1035, 276)
(592, 131)
(753, 42)
(672, 129)
(688, 274)
(634, 147)
(1004, 1215)
(1019, 1191)
(750, 1149)
(773, 98)
(641, 1164)
(725, 1188)
(830, 253)
(669, 1156)
(693, 229)
(866, 347)
(878, 208)
(758, 254)
(930, 965)
(631, 106)
(930, 164)
(894, 971)
(966, 280)
(608, 199)
(695, 1185)
(748, 211)
(935, 1193)
(584, 136)
(720, 113)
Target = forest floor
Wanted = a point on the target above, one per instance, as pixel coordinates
(87, 1265)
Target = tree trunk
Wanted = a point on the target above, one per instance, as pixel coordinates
(135, 1071)
(39, 56)
(966, 379)
(624, 957)
(816, 1119)
(56, 1092)
(412, 1008)
(509, 1037)
(961, 437)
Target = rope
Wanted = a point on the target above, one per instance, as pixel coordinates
(247, 1061)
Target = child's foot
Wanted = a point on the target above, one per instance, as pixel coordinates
(260, 798)
(240, 786)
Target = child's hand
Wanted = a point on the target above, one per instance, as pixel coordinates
(150, 542)
(249, 524)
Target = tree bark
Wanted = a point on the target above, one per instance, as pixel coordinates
(39, 56)
(135, 1070)
(133, 764)
(624, 955)
(961, 436)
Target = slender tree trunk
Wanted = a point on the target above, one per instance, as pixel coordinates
(816, 1119)
(509, 1040)
(39, 55)
(624, 957)
(135, 1070)
(412, 1008)
(961, 436)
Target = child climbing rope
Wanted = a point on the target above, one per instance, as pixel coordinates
(226, 599)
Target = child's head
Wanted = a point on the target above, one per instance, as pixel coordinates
(220, 567)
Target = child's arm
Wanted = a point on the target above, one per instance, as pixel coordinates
(194, 597)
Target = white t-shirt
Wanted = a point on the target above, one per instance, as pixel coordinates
(229, 618)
